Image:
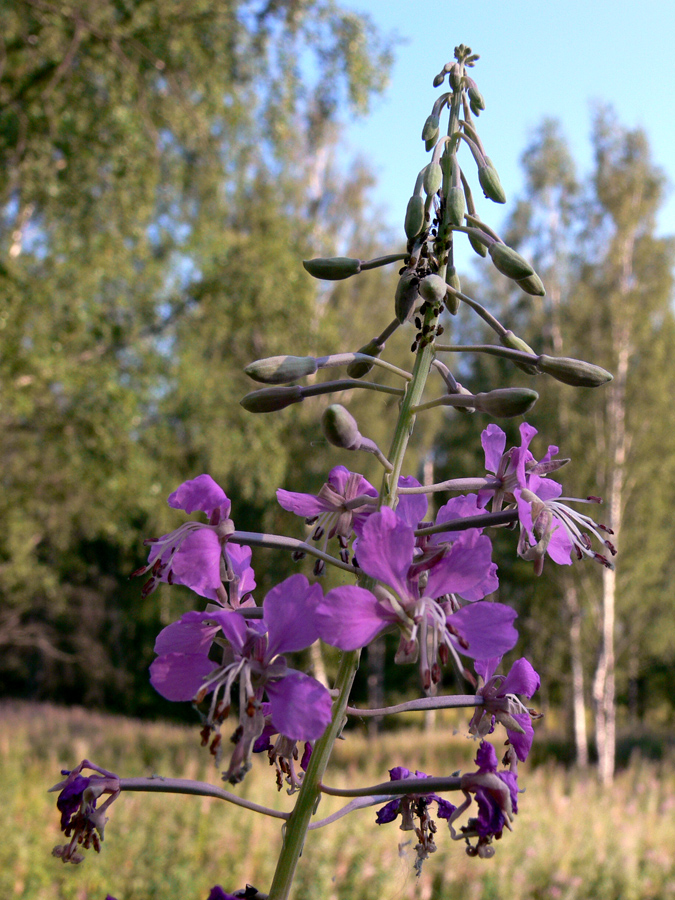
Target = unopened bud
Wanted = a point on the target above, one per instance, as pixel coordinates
(513, 342)
(509, 263)
(489, 181)
(433, 178)
(281, 369)
(431, 128)
(406, 296)
(452, 301)
(573, 371)
(272, 399)
(456, 77)
(358, 369)
(475, 96)
(438, 80)
(506, 402)
(332, 269)
(432, 288)
(478, 246)
(414, 216)
(340, 428)
(532, 285)
(456, 206)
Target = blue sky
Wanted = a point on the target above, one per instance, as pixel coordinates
(538, 58)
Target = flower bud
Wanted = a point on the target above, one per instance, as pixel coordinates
(406, 296)
(340, 428)
(272, 399)
(414, 216)
(281, 369)
(478, 246)
(506, 402)
(433, 178)
(431, 129)
(489, 181)
(456, 205)
(456, 77)
(432, 288)
(513, 342)
(475, 96)
(573, 371)
(509, 262)
(451, 301)
(532, 284)
(358, 369)
(332, 269)
(438, 79)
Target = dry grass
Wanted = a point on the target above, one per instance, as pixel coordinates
(570, 840)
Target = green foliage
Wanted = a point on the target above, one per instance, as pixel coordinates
(154, 162)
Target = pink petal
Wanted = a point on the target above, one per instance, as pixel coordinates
(289, 613)
(488, 628)
(301, 706)
(201, 493)
(179, 676)
(350, 617)
(493, 440)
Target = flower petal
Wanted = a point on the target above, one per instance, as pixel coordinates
(179, 676)
(488, 628)
(385, 550)
(522, 679)
(201, 493)
(289, 614)
(493, 440)
(301, 706)
(350, 617)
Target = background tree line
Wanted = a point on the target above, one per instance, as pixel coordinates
(163, 169)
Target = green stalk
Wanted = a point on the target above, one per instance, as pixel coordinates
(309, 794)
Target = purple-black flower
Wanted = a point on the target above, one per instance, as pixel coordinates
(416, 595)
(500, 703)
(200, 555)
(415, 806)
(81, 820)
(250, 652)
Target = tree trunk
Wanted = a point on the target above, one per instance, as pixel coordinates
(578, 702)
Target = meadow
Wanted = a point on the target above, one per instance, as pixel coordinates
(570, 840)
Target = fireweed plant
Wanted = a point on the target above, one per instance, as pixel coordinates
(427, 582)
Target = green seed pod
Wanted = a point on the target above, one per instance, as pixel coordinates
(513, 342)
(508, 262)
(489, 181)
(451, 301)
(431, 128)
(407, 295)
(432, 288)
(414, 216)
(281, 369)
(272, 399)
(332, 269)
(478, 246)
(456, 205)
(433, 178)
(573, 371)
(506, 403)
(532, 285)
(340, 428)
(358, 369)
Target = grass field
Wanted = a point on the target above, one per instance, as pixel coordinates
(570, 839)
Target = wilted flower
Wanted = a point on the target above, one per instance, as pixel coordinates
(415, 806)
(81, 820)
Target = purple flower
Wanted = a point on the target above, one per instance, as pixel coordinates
(283, 754)
(496, 794)
(501, 704)
(547, 525)
(340, 507)
(217, 893)
(252, 654)
(81, 820)
(415, 594)
(200, 555)
(411, 806)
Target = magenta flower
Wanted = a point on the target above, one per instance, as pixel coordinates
(500, 703)
(81, 820)
(200, 555)
(547, 525)
(252, 655)
(413, 594)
